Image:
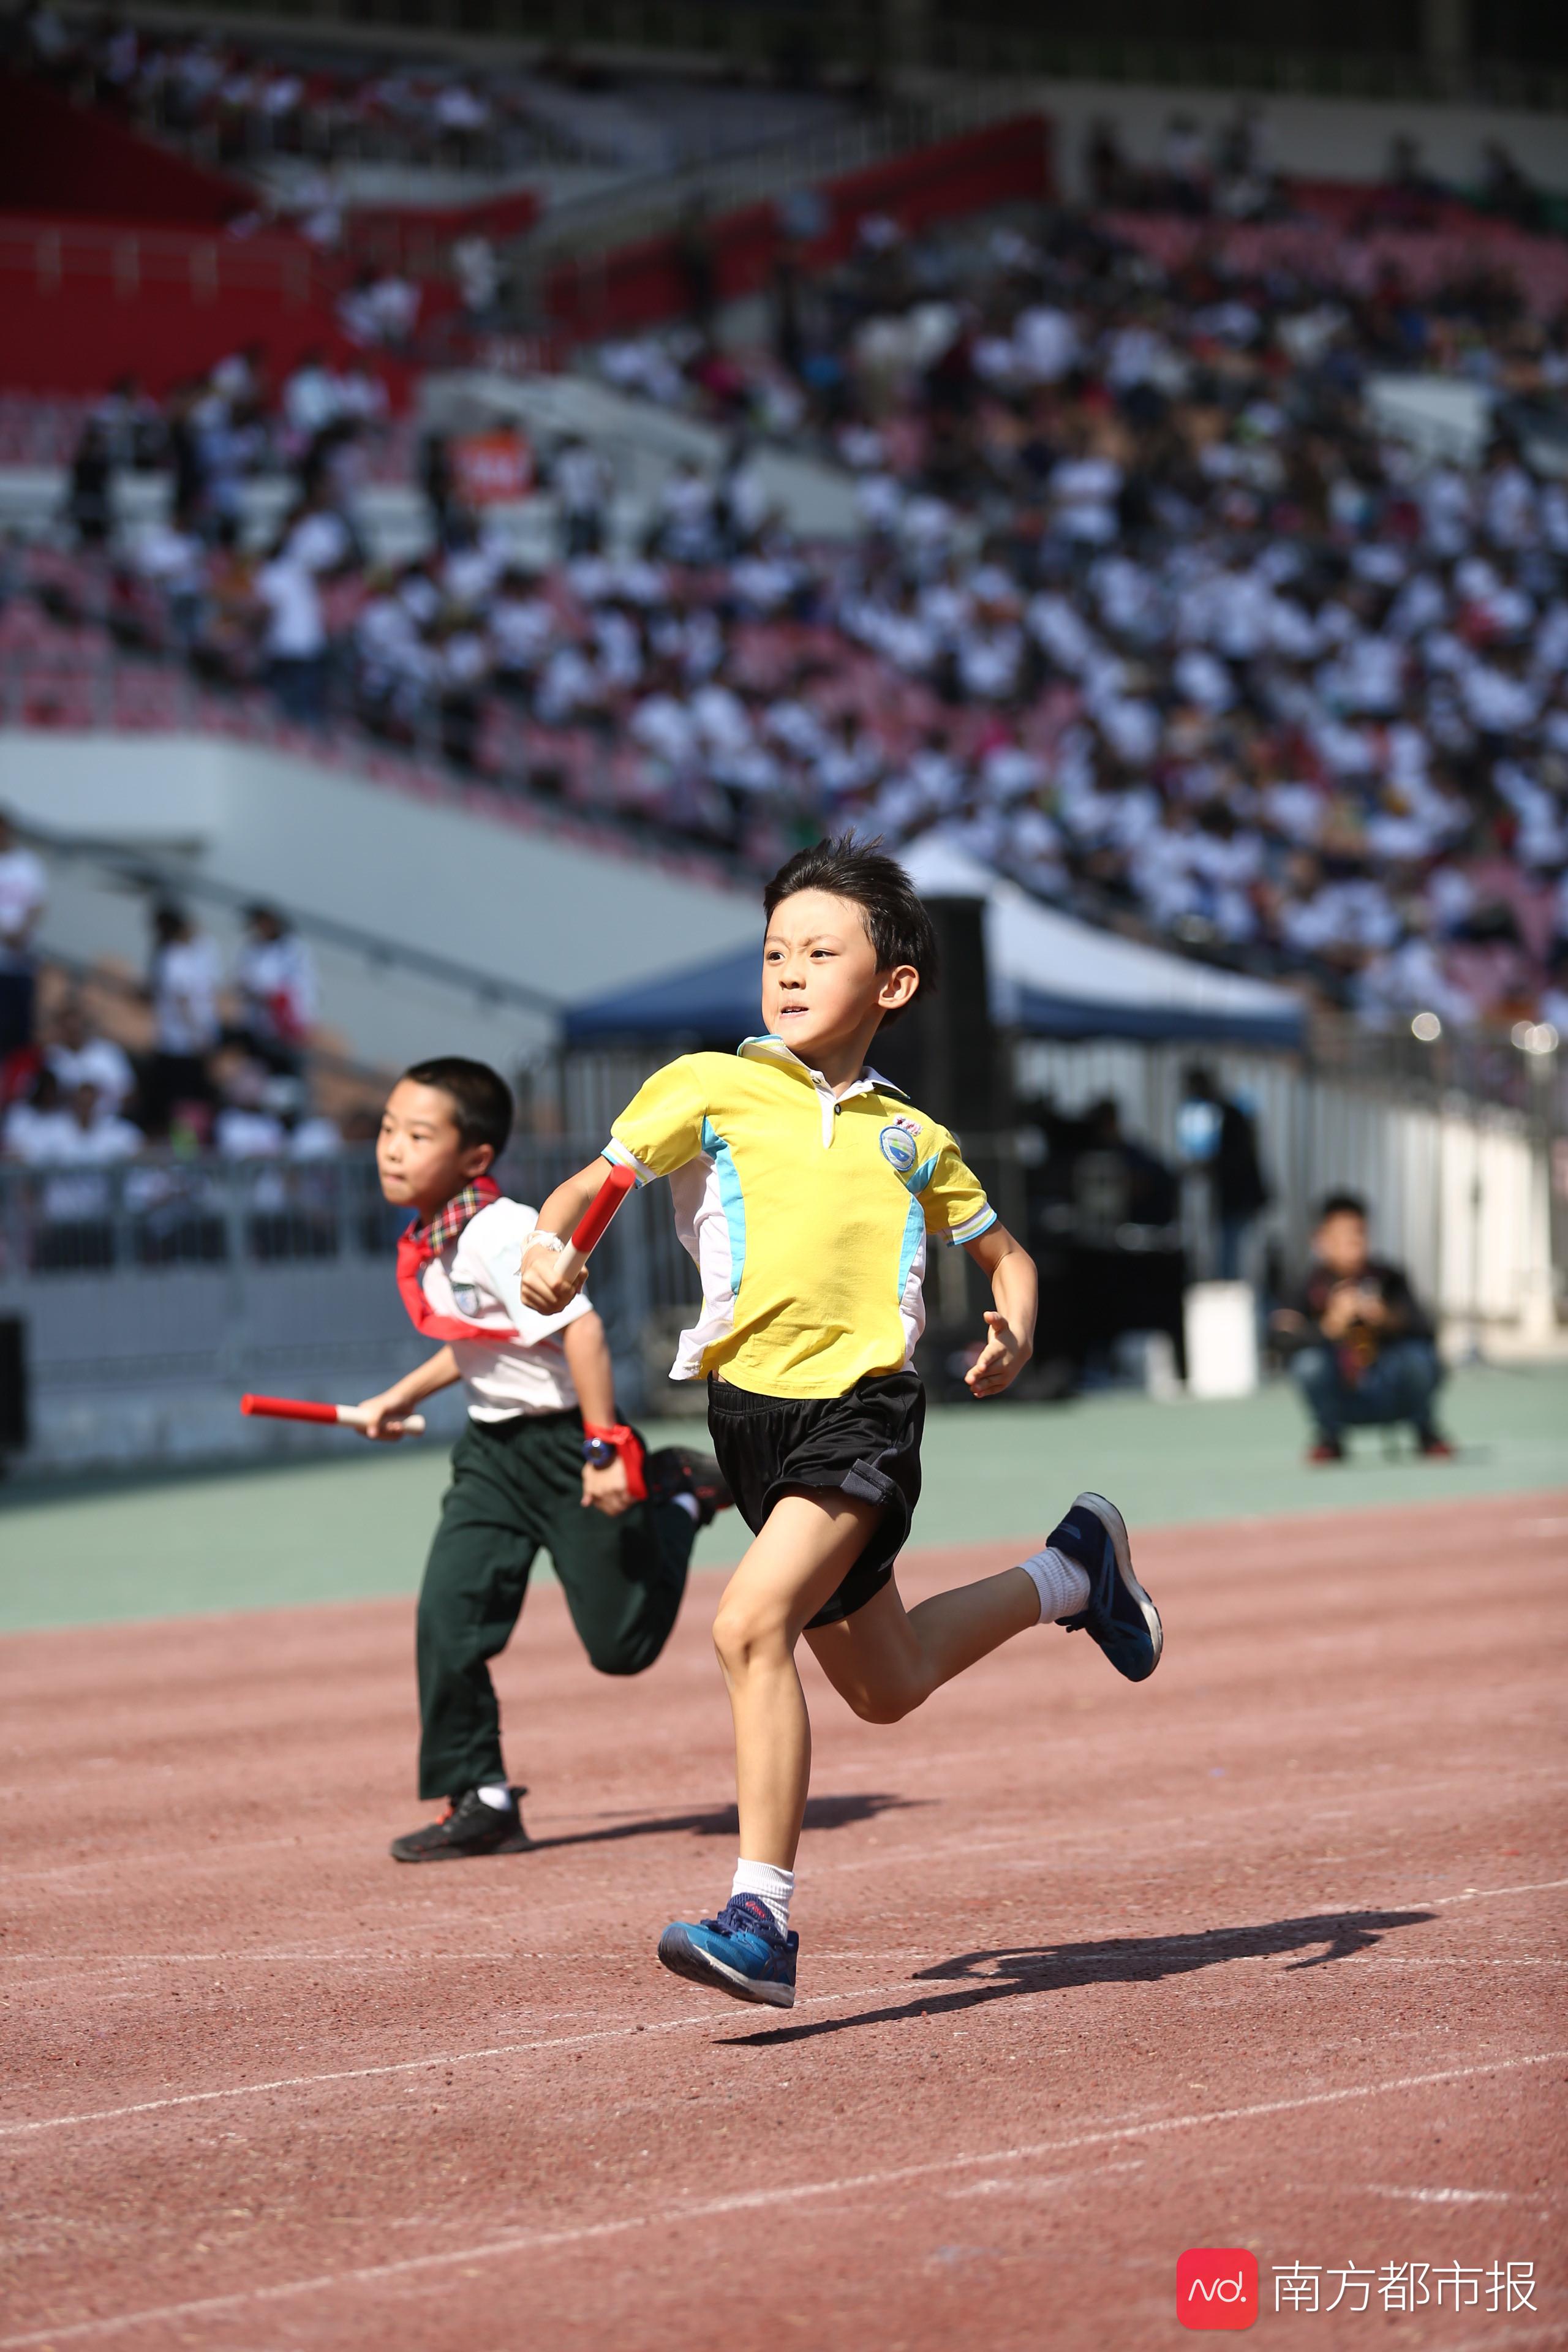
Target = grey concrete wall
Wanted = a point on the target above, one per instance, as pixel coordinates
(568, 919)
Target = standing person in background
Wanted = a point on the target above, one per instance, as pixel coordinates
(580, 481)
(24, 894)
(1366, 1357)
(1222, 1139)
(294, 636)
(89, 502)
(277, 983)
(184, 986)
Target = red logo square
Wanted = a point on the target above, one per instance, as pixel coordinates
(1216, 2286)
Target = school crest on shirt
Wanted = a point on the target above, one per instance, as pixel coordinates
(467, 1298)
(899, 1144)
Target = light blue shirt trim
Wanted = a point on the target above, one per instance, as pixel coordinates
(914, 1235)
(731, 1200)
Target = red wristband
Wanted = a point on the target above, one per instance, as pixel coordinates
(628, 1445)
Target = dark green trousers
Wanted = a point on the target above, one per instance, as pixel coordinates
(517, 1487)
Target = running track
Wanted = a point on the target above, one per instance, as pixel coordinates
(1267, 1954)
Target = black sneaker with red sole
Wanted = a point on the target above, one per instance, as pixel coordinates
(468, 1829)
(677, 1470)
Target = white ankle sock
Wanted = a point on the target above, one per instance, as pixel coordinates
(773, 1885)
(690, 1506)
(1061, 1583)
(496, 1793)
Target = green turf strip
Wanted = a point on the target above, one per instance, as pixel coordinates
(355, 1525)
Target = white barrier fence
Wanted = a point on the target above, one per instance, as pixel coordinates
(149, 1296)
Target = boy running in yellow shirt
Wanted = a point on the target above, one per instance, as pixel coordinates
(807, 1188)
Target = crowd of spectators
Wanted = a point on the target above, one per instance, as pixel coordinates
(1142, 608)
(213, 434)
(244, 104)
(221, 1067)
(249, 103)
(1234, 175)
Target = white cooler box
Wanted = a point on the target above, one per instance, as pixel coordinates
(1222, 1339)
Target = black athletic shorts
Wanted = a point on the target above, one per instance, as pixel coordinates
(866, 1444)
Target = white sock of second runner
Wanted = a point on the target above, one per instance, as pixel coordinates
(774, 1886)
(1061, 1583)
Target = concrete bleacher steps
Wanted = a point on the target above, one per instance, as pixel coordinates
(480, 894)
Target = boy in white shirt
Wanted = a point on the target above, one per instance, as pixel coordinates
(544, 1461)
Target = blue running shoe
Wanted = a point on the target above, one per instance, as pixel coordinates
(1119, 1616)
(742, 1953)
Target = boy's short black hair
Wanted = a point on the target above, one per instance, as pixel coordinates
(897, 923)
(1341, 1204)
(480, 1096)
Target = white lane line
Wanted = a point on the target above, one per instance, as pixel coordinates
(1037, 2184)
(1485, 1894)
(425, 2065)
(1446, 2196)
(754, 2201)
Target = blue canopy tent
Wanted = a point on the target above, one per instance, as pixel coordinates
(1050, 976)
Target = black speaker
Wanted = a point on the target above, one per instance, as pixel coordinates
(945, 1053)
(13, 1385)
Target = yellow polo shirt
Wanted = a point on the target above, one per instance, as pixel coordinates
(808, 1216)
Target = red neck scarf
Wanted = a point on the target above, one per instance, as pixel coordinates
(421, 1244)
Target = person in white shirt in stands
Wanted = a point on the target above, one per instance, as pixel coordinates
(294, 638)
(276, 979)
(79, 1055)
(34, 1122)
(244, 1129)
(77, 1146)
(24, 894)
(89, 1133)
(184, 986)
(310, 400)
(580, 481)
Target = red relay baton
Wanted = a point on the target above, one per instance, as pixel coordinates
(590, 1226)
(346, 1416)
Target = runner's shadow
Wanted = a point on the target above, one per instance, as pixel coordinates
(983, 1977)
(821, 1813)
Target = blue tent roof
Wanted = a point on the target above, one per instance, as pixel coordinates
(1050, 976)
(720, 1001)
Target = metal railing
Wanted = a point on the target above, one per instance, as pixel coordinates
(165, 1279)
(656, 201)
(123, 261)
(132, 865)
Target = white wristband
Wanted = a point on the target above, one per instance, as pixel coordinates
(538, 1240)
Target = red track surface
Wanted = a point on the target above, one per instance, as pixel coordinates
(1268, 1953)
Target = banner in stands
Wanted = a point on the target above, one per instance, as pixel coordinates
(490, 468)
